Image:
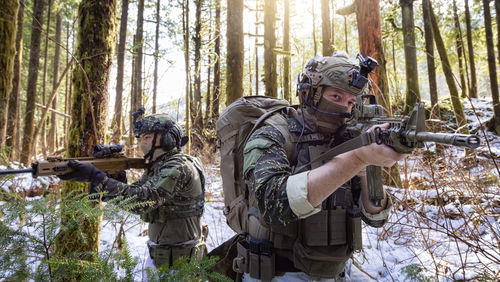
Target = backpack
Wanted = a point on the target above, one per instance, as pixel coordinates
(233, 128)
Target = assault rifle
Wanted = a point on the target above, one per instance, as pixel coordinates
(404, 135)
(108, 158)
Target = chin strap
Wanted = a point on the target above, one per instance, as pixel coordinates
(149, 156)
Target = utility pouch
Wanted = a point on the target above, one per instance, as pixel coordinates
(242, 260)
(315, 229)
(354, 238)
(337, 223)
(161, 255)
(256, 258)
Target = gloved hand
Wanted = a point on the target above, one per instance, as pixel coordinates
(83, 173)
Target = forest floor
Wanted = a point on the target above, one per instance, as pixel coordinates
(444, 226)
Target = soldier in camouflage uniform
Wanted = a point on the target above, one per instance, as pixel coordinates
(311, 218)
(172, 190)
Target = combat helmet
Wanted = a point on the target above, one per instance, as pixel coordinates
(163, 127)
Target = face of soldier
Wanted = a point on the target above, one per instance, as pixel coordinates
(333, 100)
(146, 142)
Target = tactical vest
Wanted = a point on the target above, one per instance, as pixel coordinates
(318, 245)
(179, 206)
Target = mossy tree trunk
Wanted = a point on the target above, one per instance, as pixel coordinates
(95, 42)
(53, 120)
(197, 101)
(491, 65)
(431, 66)
(31, 90)
(116, 124)
(216, 90)
(448, 73)
(44, 83)
(8, 20)
(326, 28)
(185, 32)
(270, 75)
(13, 115)
(286, 50)
(410, 50)
(473, 78)
(460, 50)
(234, 61)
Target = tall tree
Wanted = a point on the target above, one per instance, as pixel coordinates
(157, 47)
(431, 67)
(208, 104)
(460, 49)
(8, 20)
(44, 79)
(286, 50)
(139, 47)
(96, 36)
(216, 90)
(12, 119)
(491, 65)
(448, 74)
(197, 101)
(57, 54)
(256, 46)
(34, 63)
(412, 91)
(326, 28)
(185, 32)
(270, 75)
(473, 79)
(497, 9)
(235, 56)
(122, 42)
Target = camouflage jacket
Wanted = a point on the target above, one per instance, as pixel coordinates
(170, 196)
(267, 170)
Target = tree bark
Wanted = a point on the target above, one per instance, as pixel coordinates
(497, 9)
(431, 67)
(34, 63)
(216, 90)
(286, 50)
(270, 76)
(116, 124)
(57, 55)
(412, 90)
(13, 108)
(44, 83)
(473, 78)
(491, 65)
(96, 37)
(197, 101)
(256, 43)
(460, 50)
(157, 48)
(235, 56)
(185, 29)
(326, 28)
(448, 73)
(139, 44)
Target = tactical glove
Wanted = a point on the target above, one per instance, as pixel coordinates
(83, 173)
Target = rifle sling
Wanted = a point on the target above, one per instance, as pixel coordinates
(364, 139)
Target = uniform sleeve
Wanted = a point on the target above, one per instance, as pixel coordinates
(266, 170)
(149, 193)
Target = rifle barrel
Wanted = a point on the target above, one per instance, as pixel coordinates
(461, 140)
(15, 171)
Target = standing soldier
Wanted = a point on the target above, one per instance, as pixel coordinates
(172, 189)
(306, 225)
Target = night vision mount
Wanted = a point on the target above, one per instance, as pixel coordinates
(366, 65)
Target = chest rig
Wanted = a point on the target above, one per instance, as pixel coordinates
(318, 245)
(180, 206)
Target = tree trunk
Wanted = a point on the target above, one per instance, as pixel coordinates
(286, 49)
(53, 120)
(96, 28)
(431, 67)
(333, 25)
(257, 78)
(473, 79)
(235, 50)
(491, 65)
(216, 90)
(116, 124)
(157, 48)
(412, 91)
(270, 76)
(370, 44)
(8, 24)
(313, 14)
(208, 103)
(460, 52)
(139, 44)
(13, 114)
(185, 29)
(497, 9)
(326, 28)
(448, 74)
(197, 101)
(44, 83)
(34, 63)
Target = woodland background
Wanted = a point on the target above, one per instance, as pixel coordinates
(72, 72)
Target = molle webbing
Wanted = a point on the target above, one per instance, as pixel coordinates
(175, 211)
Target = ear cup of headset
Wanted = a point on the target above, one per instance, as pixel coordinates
(168, 141)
